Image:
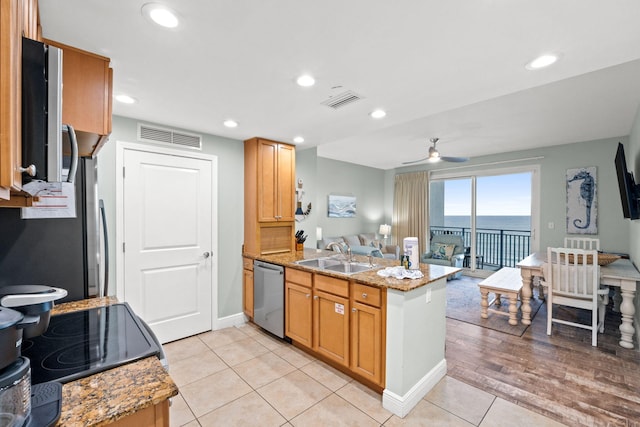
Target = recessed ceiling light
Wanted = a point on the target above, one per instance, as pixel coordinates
(125, 99)
(306, 80)
(378, 114)
(542, 61)
(160, 14)
(230, 123)
(298, 140)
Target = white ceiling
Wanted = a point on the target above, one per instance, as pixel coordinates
(450, 69)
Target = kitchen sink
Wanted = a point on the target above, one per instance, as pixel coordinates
(349, 268)
(335, 265)
(319, 262)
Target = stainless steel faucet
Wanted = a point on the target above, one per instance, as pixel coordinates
(347, 254)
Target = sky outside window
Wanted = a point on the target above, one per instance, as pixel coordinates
(501, 195)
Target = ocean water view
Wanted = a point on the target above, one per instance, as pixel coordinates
(493, 222)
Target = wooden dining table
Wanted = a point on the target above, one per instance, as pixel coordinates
(620, 274)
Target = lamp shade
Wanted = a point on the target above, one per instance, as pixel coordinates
(385, 230)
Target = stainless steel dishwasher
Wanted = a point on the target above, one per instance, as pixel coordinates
(268, 297)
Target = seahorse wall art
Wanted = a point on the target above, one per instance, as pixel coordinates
(582, 201)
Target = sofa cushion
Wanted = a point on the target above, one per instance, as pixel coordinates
(325, 241)
(352, 240)
(442, 251)
(366, 250)
(367, 238)
(376, 244)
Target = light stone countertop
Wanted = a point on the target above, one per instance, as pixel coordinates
(369, 277)
(108, 396)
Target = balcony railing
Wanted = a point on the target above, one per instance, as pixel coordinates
(498, 248)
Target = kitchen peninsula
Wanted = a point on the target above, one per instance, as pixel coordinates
(133, 394)
(387, 333)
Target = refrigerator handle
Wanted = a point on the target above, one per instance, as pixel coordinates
(74, 152)
(103, 216)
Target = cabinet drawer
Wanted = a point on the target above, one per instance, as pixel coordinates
(298, 276)
(367, 294)
(247, 263)
(332, 285)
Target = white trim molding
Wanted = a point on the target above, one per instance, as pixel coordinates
(402, 405)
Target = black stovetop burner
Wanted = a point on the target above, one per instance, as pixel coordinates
(83, 343)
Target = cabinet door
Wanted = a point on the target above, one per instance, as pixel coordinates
(331, 326)
(267, 181)
(247, 295)
(298, 317)
(11, 22)
(366, 342)
(286, 182)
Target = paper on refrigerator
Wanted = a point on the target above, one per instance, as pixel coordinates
(55, 200)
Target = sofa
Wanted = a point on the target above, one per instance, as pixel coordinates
(363, 244)
(447, 250)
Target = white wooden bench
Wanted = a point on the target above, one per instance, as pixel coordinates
(507, 281)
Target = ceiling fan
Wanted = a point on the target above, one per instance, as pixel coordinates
(434, 155)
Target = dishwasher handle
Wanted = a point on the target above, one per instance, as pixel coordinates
(268, 268)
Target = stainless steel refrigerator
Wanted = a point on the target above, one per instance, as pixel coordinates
(63, 252)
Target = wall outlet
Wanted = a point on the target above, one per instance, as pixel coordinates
(428, 295)
(551, 226)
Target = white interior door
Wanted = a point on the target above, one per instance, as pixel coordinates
(167, 241)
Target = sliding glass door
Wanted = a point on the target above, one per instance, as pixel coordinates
(493, 211)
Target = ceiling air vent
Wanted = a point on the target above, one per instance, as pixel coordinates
(155, 134)
(342, 99)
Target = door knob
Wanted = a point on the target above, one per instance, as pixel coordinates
(206, 254)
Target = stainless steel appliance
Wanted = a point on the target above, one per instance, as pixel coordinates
(63, 253)
(268, 297)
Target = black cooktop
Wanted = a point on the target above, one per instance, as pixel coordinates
(83, 343)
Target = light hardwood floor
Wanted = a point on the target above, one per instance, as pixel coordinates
(560, 376)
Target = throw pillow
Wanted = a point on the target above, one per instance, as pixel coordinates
(376, 244)
(442, 250)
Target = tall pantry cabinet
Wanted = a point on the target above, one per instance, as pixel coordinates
(269, 196)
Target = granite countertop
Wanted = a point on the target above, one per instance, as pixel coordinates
(110, 395)
(369, 277)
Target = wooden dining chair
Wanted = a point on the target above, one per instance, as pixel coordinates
(572, 278)
(586, 243)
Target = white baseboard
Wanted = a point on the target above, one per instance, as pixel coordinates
(402, 405)
(229, 321)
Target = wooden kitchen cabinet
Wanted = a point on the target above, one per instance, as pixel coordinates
(87, 80)
(269, 196)
(299, 307)
(367, 332)
(331, 326)
(247, 286)
(17, 18)
(152, 416)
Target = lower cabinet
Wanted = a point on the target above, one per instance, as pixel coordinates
(331, 326)
(247, 286)
(152, 416)
(298, 317)
(340, 321)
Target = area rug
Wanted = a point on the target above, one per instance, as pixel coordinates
(463, 303)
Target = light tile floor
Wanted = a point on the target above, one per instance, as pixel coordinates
(242, 376)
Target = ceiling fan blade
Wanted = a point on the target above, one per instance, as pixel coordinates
(455, 159)
(415, 161)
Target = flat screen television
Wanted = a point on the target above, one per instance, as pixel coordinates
(629, 191)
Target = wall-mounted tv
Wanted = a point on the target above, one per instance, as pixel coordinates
(629, 191)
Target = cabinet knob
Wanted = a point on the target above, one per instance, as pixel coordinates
(30, 170)
(364, 295)
(308, 295)
(353, 310)
(315, 297)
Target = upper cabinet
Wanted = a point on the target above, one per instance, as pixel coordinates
(87, 85)
(17, 17)
(270, 171)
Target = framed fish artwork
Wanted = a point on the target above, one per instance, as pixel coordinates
(582, 201)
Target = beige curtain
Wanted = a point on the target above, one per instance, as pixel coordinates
(411, 207)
